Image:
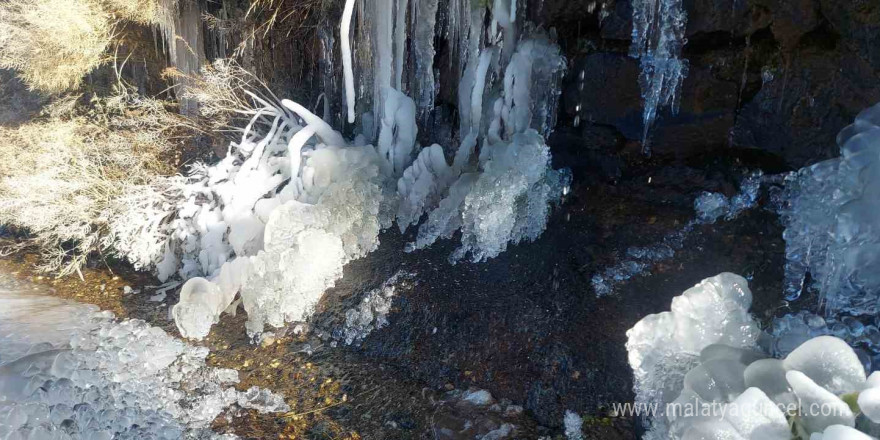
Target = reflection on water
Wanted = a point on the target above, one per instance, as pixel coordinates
(69, 371)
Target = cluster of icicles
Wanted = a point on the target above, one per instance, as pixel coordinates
(294, 200)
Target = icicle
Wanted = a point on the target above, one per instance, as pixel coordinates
(657, 40)
(399, 43)
(328, 76)
(423, 54)
(344, 35)
(479, 86)
(383, 58)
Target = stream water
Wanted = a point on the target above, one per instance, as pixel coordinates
(70, 371)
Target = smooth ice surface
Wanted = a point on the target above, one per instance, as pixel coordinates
(831, 215)
(201, 303)
(830, 363)
(663, 347)
(70, 371)
(810, 395)
(757, 417)
(869, 404)
(750, 416)
(840, 432)
(768, 375)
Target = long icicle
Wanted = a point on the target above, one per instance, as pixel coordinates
(344, 28)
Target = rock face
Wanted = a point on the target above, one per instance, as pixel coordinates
(780, 76)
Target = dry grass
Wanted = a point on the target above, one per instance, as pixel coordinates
(53, 43)
(139, 11)
(62, 177)
(227, 95)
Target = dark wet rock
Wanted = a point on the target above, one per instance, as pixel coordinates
(798, 112)
(790, 19)
(527, 325)
(591, 153)
(823, 58)
(739, 17)
(858, 23)
(602, 88)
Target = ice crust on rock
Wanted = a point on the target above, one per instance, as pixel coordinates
(98, 378)
(709, 208)
(573, 426)
(663, 347)
(372, 312)
(831, 215)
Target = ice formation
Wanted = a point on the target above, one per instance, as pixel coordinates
(758, 394)
(372, 312)
(832, 214)
(573, 426)
(276, 220)
(657, 41)
(424, 23)
(70, 371)
(709, 208)
(731, 390)
(664, 347)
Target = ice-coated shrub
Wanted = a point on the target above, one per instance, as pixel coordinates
(293, 201)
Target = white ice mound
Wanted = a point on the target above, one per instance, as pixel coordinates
(869, 398)
(830, 363)
(769, 376)
(832, 222)
(751, 416)
(664, 347)
(305, 244)
(824, 407)
(201, 303)
(840, 432)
